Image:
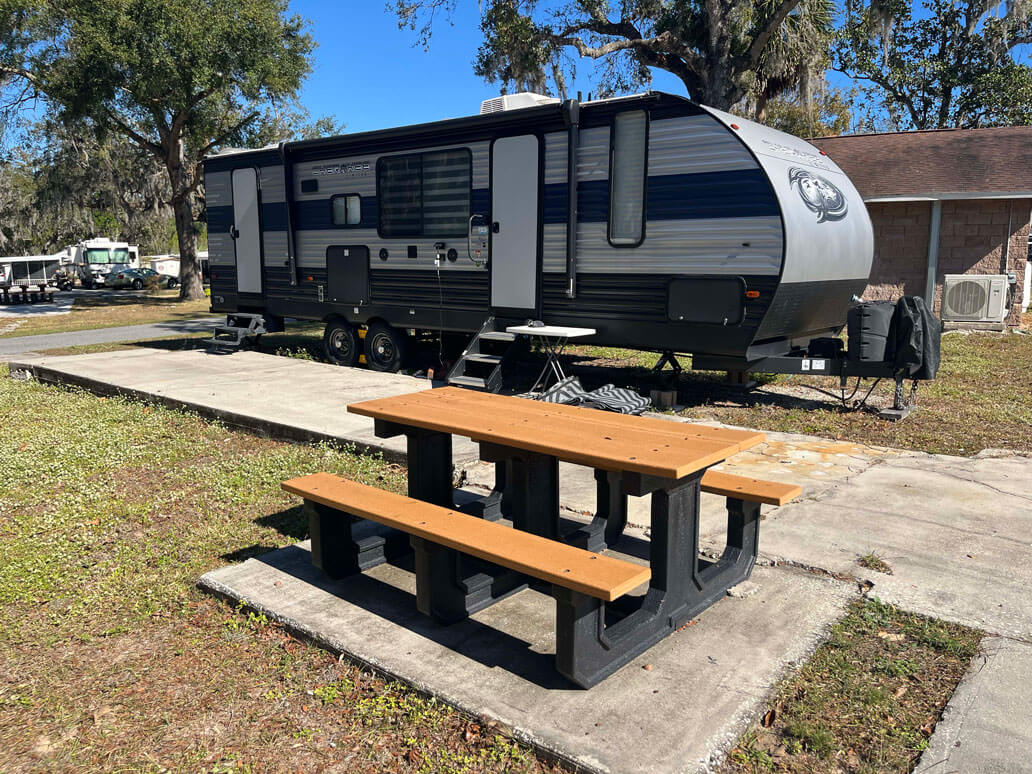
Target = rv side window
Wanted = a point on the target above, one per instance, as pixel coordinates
(400, 194)
(346, 209)
(627, 172)
(427, 194)
(447, 190)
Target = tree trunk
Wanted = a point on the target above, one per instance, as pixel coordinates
(190, 286)
(180, 174)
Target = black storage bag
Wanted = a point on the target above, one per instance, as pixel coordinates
(916, 335)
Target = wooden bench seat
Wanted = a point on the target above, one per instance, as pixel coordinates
(602, 577)
(753, 490)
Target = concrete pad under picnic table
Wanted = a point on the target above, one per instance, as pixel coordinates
(669, 710)
(278, 396)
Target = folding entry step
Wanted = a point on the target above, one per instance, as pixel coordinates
(239, 327)
(488, 358)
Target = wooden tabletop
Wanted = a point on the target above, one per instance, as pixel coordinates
(583, 436)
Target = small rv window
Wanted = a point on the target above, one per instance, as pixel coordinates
(346, 209)
(627, 179)
(426, 194)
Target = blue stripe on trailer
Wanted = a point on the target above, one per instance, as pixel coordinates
(735, 194)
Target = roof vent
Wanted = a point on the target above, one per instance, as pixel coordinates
(525, 99)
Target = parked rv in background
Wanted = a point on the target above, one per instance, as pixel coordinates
(31, 273)
(93, 259)
(169, 264)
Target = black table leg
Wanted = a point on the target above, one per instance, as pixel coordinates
(610, 518)
(682, 584)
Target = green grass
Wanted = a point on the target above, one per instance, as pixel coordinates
(112, 660)
(867, 701)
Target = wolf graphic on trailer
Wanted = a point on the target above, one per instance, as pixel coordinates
(663, 224)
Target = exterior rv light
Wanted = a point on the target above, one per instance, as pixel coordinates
(734, 126)
(822, 153)
(752, 294)
(310, 279)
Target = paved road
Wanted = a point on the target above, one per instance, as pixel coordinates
(18, 345)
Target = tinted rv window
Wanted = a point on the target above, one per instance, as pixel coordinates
(446, 192)
(627, 178)
(400, 194)
(426, 194)
(346, 209)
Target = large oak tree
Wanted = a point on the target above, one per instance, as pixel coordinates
(179, 78)
(724, 51)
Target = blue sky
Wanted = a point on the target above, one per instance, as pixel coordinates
(369, 75)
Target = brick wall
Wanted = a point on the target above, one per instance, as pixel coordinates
(900, 249)
(972, 234)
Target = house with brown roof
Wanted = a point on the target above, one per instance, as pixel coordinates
(948, 201)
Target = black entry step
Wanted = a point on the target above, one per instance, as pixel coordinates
(487, 358)
(481, 358)
(468, 381)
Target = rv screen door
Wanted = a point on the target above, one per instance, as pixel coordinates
(246, 231)
(514, 209)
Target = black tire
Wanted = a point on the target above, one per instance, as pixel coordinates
(137, 284)
(340, 343)
(172, 282)
(385, 348)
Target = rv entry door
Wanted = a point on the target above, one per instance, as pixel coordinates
(514, 237)
(246, 231)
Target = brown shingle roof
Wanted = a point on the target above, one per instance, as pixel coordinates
(941, 162)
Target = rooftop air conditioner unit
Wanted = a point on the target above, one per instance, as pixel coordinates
(974, 298)
(525, 99)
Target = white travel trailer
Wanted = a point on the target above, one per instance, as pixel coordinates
(661, 223)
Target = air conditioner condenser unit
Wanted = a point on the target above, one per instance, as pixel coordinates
(974, 298)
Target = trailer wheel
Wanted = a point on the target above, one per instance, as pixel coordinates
(340, 343)
(385, 347)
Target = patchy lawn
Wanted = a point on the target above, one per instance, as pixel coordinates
(107, 311)
(112, 660)
(866, 702)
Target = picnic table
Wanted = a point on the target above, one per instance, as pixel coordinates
(468, 559)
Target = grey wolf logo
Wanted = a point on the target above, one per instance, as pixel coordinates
(819, 195)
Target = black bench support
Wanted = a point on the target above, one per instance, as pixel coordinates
(682, 585)
(344, 545)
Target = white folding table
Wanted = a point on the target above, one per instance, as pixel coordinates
(553, 340)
